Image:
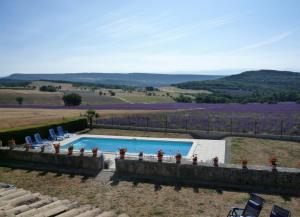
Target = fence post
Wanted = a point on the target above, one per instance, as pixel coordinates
(112, 120)
(255, 126)
(281, 127)
(147, 122)
(128, 120)
(231, 125)
(186, 124)
(208, 123)
(166, 120)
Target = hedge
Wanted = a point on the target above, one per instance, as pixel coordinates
(19, 134)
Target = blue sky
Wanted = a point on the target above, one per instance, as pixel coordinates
(214, 37)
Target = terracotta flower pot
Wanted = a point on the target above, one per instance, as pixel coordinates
(81, 151)
(178, 158)
(122, 152)
(216, 161)
(141, 155)
(195, 159)
(159, 158)
(70, 150)
(95, 152)
(56, 148)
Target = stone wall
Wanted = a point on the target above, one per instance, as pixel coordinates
(258, 178)
(85, 165)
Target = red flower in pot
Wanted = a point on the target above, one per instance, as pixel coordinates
(160, 155)
(195, 159)
(141, 155)
(244, 163)
(122, 152)
(81, 151)
(273, 162)
(70, 150)
(56, 147)
(178, 158)
(95, 151)
(216, 161)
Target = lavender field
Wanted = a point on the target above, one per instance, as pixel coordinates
(278, 119)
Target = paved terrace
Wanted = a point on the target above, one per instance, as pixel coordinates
(22, 203)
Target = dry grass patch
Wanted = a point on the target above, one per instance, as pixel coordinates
(138, 199)
(135, 133)
(258, 151)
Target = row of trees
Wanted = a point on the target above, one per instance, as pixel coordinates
(249, 98)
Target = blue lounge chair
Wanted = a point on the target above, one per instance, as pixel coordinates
(60, 132)
(252, 208)
(53, 135)
(39, 139)
(279, 212)
(29, 141)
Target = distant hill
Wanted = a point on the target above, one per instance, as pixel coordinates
(249, 81)
(250, 86)
(130, 79)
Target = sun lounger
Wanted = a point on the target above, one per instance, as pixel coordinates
(252, 208)
(53, 135)
(39, 139)
(279, 212)
(29, 141)
(60, 132)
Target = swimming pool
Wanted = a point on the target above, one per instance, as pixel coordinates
(133, 145)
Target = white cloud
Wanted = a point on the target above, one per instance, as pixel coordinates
(269, 41)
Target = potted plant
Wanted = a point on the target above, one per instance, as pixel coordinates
(43, 148)
(160, 155)
(70, 150)
(216, 161)
(178, 158)
(81, 151)
(195, 159)
(122, 152)
(27, 147)
(95, 151)
(141, 155)
(56, 147)
(273, 162)
(244, 163)
(11, 144)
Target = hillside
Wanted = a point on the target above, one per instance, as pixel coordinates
(251, 86)
(131, 79)
(249, 81)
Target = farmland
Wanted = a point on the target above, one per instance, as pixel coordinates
(250, 118)
(20, 117)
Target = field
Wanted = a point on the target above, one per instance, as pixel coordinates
(250, 118)
(18, 117)
(258, 151)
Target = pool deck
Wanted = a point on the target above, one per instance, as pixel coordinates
(203, 148)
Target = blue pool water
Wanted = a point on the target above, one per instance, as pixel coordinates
(132, 145)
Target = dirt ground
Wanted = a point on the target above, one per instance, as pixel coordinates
(137, 198)
(259, 151)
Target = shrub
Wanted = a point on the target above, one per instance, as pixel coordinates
(72, 99)
(182, 98)
(48, 88)
(19, 99)
(19, 133)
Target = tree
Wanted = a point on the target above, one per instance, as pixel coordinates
(90, 114)
(48, 88)
(72, 99)
(112, 93)
(183, 98)
(19, 99)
